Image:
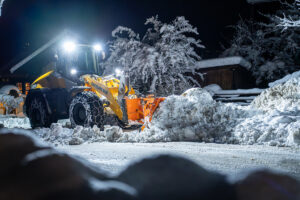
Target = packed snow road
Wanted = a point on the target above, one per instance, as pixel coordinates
(232, 160)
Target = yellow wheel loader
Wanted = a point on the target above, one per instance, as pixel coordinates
(74, 90)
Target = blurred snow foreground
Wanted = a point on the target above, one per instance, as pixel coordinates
(38, 171)
(273, 118)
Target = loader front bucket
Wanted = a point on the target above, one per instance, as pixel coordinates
(142, 109)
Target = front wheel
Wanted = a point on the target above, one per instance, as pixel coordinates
(87, 110)
(38, 114)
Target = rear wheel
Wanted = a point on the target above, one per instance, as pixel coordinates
(38, 114)
(87, 110)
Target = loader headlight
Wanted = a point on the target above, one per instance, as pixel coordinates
(98, 47)
(73, 71)
(118, 72)
(69, 46)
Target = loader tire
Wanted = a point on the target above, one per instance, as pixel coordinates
(38, 114)
(87, 110)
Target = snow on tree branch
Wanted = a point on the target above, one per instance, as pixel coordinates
(1, 3)
(157, 63)
(123, 30)
(290, 21)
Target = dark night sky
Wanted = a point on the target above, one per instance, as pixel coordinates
(37, 21)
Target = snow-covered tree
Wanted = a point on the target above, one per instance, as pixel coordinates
(158, 61)
(272, 52)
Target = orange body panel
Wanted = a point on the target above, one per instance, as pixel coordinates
(134, 109)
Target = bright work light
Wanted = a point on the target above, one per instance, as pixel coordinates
(118, 72)
(73, 71)
(97, 47)
(69, 46)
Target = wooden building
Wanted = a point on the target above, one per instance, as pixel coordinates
(229, 73)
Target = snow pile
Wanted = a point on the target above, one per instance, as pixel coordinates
(194, 116)
(279, 122)
(58, 134)
(282, 97)
(197, 117)
(285, 79)
(14, 122)
(275, 129)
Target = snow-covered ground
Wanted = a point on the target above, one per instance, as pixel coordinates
(232, 160)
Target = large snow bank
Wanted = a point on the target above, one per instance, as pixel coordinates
(279, 123)
(283, 97)
(194, 116)
(275, 129)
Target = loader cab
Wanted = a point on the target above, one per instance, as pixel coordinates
(82, 59)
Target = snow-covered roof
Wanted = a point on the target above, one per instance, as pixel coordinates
(221, 62)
